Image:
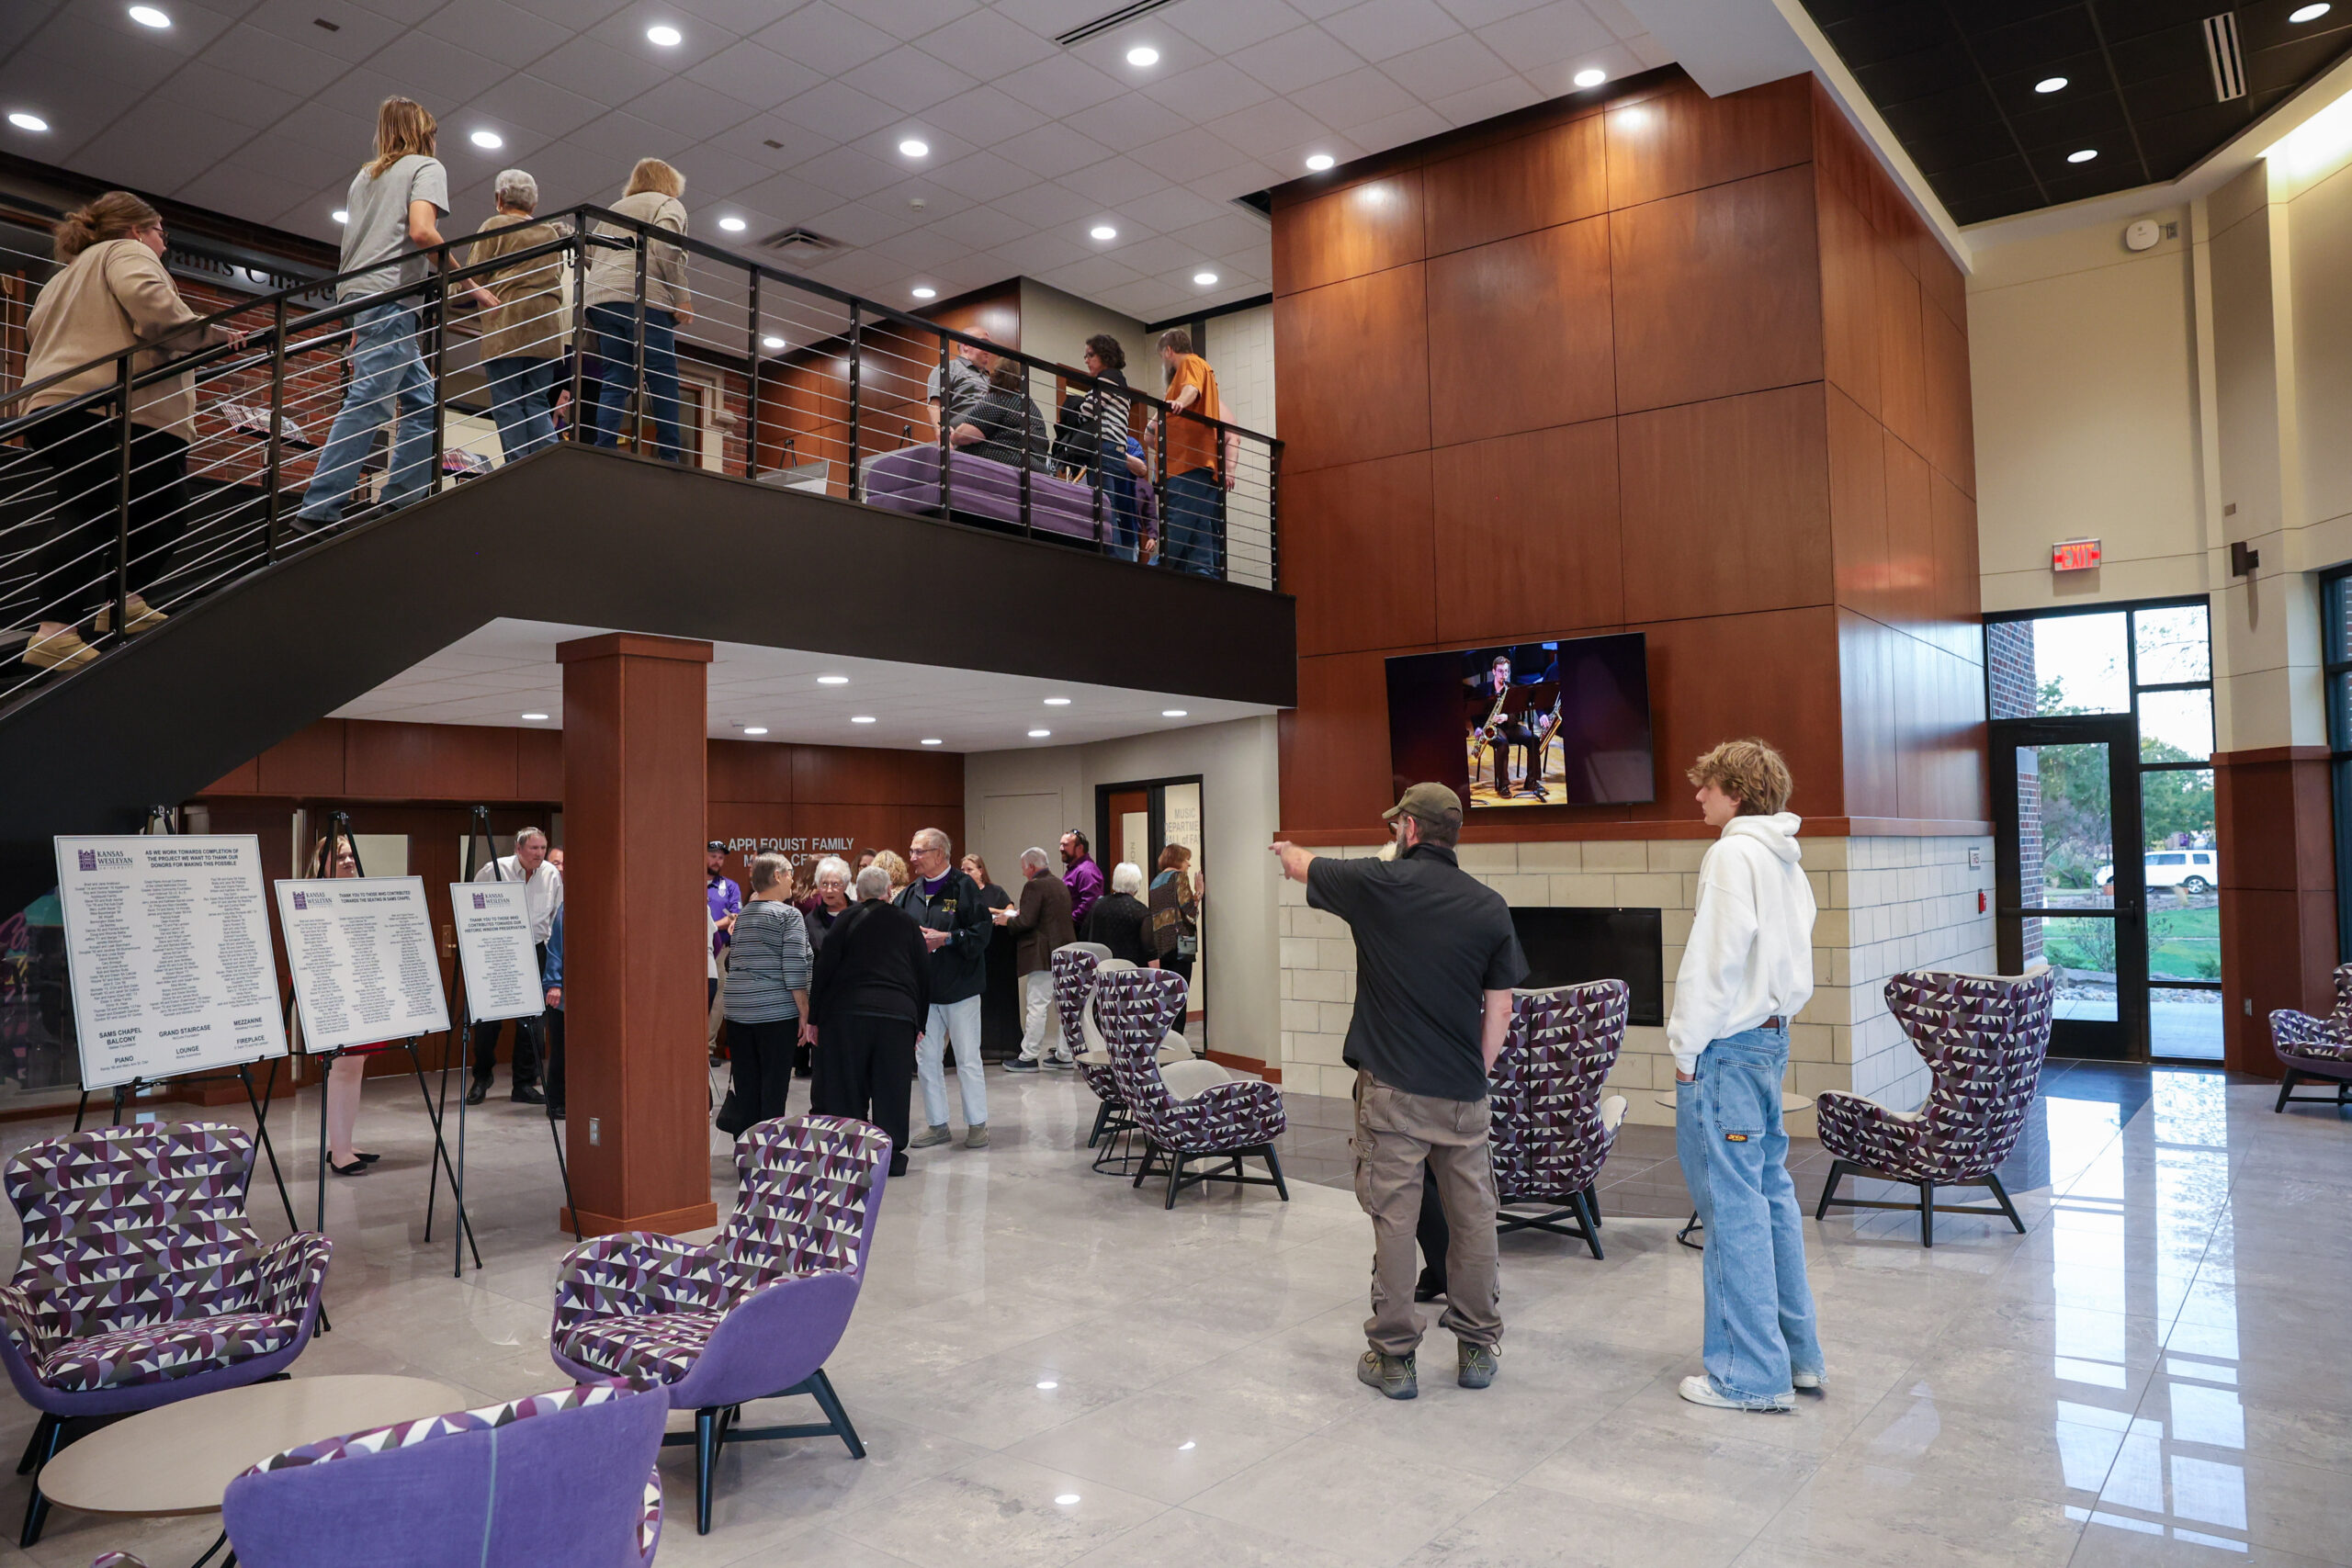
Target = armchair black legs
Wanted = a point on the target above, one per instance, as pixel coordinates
(1926, 1207)
(1584, 1207)
(716, 1425)
(1173, 1161)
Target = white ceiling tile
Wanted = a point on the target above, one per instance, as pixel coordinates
(1449, 65)
(838, 111)
(691, 109)
(1050, 19)
(1647, 52)
(1316, 10)
(908, 80)
(1045, 206)
(1352, 99)
(1157, 254)
(740, 17)
(939, 198)
(1224, 25)
(1208, 91)
(23, 18)
(1038, 254)
(356, 34)
(572, 13)
(1128, 122)
(621, 139)
(1479, 12)
(981, 227)
(1179, 160)
(408, 13)
(1468, 108)
(1115, 180)
(1165, 212)
(249, 51)
(825, 38)
(193, 26)
(849, 174)
(1272, 132)
(313, 144)
(1298, 59)
(507, 34)
(984, 116)
(626, 29)
(1107, 52)
(537, 105)
(1242, 179)
(1379, 28)
(921, 248)
(717, 171)
(1231, 232)
(1397, 130)
(1557, 79)
(1147, 299)
(1052, 150)
(987, 44)
(789, 197)
(1546, 34)
(568, 174)
(1094, 274)
(978, 176)
(1060, 85)
(913, 19)
(754, 73)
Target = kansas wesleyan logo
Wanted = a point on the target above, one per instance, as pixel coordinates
(86, 859)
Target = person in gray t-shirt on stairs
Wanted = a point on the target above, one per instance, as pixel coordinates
(391, 217)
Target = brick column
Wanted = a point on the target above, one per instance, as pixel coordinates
(634, 754)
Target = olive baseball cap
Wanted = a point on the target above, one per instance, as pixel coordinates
(1427, 802)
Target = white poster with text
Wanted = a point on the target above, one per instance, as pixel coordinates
(364, 967)
(502, 962)
(167, 945)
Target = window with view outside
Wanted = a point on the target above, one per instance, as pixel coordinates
(2335, 649)
(2153, 662)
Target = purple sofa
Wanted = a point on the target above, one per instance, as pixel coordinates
(908, 481)
(140, 1282)
(751, 1314)
(2319, 1049)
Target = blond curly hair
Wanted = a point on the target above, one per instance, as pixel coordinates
(1750, 771)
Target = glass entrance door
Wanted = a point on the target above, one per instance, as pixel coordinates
(2066, 798)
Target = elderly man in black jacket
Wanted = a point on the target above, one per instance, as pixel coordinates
(870, 995)
(954, 919)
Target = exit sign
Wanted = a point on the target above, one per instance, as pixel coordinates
(2074, 555)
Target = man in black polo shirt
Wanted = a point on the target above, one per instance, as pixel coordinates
(1436, 959)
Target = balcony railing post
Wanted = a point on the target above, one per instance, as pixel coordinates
(947, 482)
(856, 351)
(1101, 475)
(277, 411)
(1159, 480)
(579, 323)
(751, 347)
(644, 403)
(1028, 528)
(122, 501)
(1224, 513)
(438, 296)
(1274, 513)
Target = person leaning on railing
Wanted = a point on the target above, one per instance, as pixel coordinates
(1191, 534)
(523, 334)
(996, 426)
(391, 219)
(615, 316)
(113, 294)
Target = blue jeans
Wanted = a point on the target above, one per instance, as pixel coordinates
(1734, 1155)
(388, 374)
(1118, 487)
(616, 329)
(1192, 534)
(960, 1022)
(522, 399)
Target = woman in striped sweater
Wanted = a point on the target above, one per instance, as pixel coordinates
(767, 990)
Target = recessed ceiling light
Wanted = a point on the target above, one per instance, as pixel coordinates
(924, 291)
(340, 216)
(1174, 713)
(862, 718)
(732, 225)
(1049, 1383)
(1144, 54)
(1039, 734)
(1318, 162)
(23, 121)
(771, 341)
(833, 680)
(915, 147)
(755, 729)
(667, 36)
(1204, 278)
(2050, 84)
(1104, 231)
(1057, 702)
(934, 741)
(1591, 76)
(1067, 1499)
(2085, 156)
(1186, 1444)
(148, 16)
(535, 717)
(488, 140)
(2307, 13)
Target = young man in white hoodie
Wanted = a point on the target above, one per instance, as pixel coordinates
(1746, 973)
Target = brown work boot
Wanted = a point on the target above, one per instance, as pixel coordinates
(1392, 1375)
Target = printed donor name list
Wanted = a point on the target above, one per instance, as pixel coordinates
(502, 964)
(362, 953)
(168, 944)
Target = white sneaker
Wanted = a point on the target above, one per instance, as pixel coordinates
(1808, 1381)
(1697, 1390)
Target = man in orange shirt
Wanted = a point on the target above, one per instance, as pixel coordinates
(1193, 536)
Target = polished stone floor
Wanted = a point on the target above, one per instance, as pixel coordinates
(1049, 1369)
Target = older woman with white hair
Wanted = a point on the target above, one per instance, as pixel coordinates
(1119, 920)
(868, 997)
(523, 334)
(834, 883)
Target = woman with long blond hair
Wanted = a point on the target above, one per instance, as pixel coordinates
(112, 294)
(621, 327)
(350, 1069)
(391, 217)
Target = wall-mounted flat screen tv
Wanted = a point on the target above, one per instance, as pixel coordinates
(1560, 723)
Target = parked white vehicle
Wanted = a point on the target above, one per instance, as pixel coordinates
(2197, 871)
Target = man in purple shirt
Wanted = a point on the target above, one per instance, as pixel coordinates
(1081, 876)
(725, 898)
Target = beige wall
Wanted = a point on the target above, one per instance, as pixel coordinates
(1014, 799)
(1055, 325)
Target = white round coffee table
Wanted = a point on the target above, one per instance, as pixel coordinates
(1790, 1105)
(178, 1458)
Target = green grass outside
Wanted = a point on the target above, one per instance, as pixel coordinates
(2183, 944)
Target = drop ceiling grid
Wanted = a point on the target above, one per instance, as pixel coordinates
(248, 107)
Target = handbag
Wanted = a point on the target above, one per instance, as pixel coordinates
(1167, 920)
(734, 1117)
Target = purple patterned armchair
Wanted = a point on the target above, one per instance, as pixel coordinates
(1074, 965)
(751, 1314)
(1212, 1121)
(2315, 1048)
(140, 1282)
(1983, 1037)
(1552, 1126)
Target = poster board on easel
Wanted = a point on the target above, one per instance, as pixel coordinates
(495, 953)
(361, 948)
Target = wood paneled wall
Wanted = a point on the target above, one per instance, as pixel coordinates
(874, 798)
(2271, 807)
(1662, 363)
